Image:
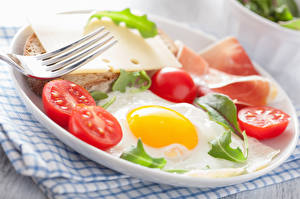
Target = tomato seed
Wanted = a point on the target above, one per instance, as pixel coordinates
(82, 97)
(85, 116)
(54, 93)
(90, 124)
(109, 122)
(59, 102)
(100, 130)
(64, 107)
(109, 128)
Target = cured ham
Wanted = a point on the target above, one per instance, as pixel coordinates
(230, 57)
(247, 89)
(189, 59)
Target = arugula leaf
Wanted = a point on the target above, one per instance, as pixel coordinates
(282, 13)
(261, 7)
(294, 24)
(221, 110)
(291, 4)
(98, 95)
(110, 102)
(275, 10)
(146, 27)
(265, 6)
(221, 149)
(139, 79)
(139, 156)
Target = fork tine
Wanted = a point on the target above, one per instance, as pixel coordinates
(74, 51)
(77, 57)
(83, 61)
(70, 46)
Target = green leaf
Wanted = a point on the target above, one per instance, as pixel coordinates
(261, 7)
(146, 27)
(221, 110)
(138, 79)
(274, 10)
(98, 95)
(138, 155)
(265, 6)
(221, 149)
(110, 102)
(291, 4)
(282, 13)
(294, 24)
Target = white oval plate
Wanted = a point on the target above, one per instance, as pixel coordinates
(196, 40)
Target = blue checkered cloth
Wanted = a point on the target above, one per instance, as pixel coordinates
(61, 172)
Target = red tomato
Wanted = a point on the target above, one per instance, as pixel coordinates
(240, 106)
(60, 97)
(95, 126)
(263, 122)
(174, 84)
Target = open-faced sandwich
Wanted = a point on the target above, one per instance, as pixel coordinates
(160, 104)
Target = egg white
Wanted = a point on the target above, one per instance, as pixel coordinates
(197, 161)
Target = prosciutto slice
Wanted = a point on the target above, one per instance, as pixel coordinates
(229, 56)
(251, 89)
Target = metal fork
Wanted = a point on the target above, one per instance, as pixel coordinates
(64, 60)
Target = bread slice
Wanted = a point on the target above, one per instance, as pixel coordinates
(89, 81)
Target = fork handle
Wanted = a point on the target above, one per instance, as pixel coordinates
(5, 57)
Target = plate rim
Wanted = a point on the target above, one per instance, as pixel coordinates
(157, 175)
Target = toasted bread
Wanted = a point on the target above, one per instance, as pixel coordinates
(89, 81)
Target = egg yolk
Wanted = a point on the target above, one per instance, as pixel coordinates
(158, 126)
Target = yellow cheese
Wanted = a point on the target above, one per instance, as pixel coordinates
(131, 53)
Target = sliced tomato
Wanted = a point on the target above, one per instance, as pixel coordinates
(60, 97)
(230, 57)
(95, 126)
(263, 122)
(174, 84)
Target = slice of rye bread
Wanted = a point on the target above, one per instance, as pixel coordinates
(89, 81)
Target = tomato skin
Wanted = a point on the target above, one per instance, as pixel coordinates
(263, 122)
(60, 97)
(174, 84)
(86, 121)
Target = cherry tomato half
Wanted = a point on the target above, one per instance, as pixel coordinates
(60, 97)
(174, 84)
(263, 122)
(95, 126)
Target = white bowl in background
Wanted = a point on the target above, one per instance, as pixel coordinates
(273, 47)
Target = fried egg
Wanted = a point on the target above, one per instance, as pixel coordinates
(180, 133)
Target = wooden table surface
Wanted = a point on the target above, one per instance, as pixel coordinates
(15, 186)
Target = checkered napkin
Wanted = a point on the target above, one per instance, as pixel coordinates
(63, 173)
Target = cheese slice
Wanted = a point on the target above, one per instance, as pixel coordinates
(131, 53)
